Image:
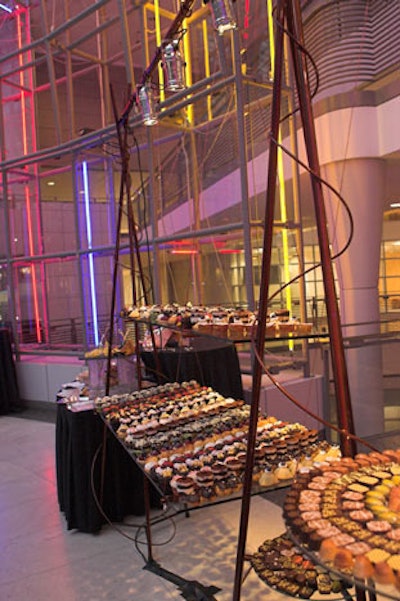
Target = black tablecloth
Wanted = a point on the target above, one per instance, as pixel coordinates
(9, 395)
(78, 437)
(214, 364)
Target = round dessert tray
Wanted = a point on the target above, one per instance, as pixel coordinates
(348, 514)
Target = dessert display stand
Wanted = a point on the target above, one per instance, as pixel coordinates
(149, 446)
(287, 17)
(190, 442)
(288, 21)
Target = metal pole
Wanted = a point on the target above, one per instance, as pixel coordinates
(147, 506)
(125, 160)
(299, 234)
(345, 417)
(263, 303)
(244, 185)
(129, 70)
(52, 76)
(151, 203)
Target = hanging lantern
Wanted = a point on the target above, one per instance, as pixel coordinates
(173, 66)
(147, 105)
(222, 13)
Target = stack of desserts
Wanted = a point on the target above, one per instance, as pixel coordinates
(349, 513)
(232, 323)
(192, 441)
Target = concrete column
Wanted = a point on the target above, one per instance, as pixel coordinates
(361, 183)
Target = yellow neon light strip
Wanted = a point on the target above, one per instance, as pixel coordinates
(162, 11)
(207, 65)
(146, 29)
(158, 41)
(188, 70)
(281, 175)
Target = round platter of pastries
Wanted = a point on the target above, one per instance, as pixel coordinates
(284, 566)
(192, 441)
(347, 512)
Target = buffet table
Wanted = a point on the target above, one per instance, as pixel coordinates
(78, 437)
(209, 362)
(9, 395)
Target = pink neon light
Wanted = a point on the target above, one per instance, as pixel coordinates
(35, 167)
(27, 194)
(246, 21)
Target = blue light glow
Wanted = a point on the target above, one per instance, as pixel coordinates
(6, 8)
(90, 255)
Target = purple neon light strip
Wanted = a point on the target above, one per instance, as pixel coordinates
(90, 255)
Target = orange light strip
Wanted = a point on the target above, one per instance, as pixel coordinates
(184, 251)
(229, 251)
(28, 207)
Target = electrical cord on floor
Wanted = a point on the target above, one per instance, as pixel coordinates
(191, 590)
(157, 519)
(96, 499)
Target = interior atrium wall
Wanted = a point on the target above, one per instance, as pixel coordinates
(197, 179)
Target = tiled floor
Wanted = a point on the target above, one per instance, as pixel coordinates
(40, 560)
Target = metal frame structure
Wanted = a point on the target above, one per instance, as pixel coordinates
(288, 18)
(69, 143)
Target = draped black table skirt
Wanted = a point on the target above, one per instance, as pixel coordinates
(209, 362)
(9, 395)
(79, 437)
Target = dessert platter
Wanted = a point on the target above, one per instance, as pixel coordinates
(232, 323)
(347, 513)
(284, 566)
(192, 442)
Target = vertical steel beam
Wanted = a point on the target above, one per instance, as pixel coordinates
(52, 77)
(130, 76)
(102, 55)
(69, 80)
(153, 200)
(244, 185)
(10, 273)
(344, 409)
(263, 302)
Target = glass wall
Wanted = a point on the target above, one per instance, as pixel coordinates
(194, 191)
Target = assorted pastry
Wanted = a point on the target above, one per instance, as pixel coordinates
(283, 566)
(127, 347)
(348, 513)
(192, 441)
(233, 323)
